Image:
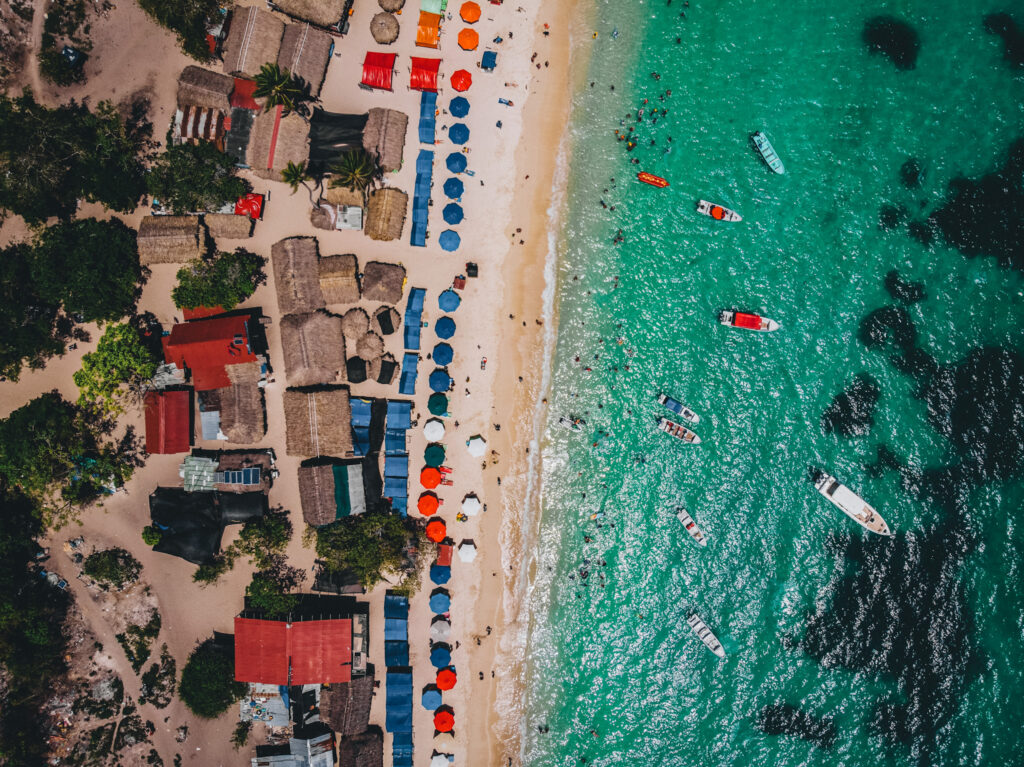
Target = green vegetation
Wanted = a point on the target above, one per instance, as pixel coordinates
(188, 19)
(294, 175)
(370, 545)
(262, 540)
(356, 170)
(33, 328)
(241, 734)
(52, 158)
(160, 681)
(208, 683)
(116, 567)
(117, 370)
(271, 588)
(191, 178)
(225, 280)
(102, 699)
(130, 731)
(137, 640)
(151, 535)
(65, 21)
(281, 88)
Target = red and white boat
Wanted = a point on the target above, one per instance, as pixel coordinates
(691, 527)
(717, 212)
(678, 431)
(747, 321)
(650, 178)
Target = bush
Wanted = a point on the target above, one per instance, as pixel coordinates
(116, 567)
(369, 545)
(189, 19)
(136, 641)
(225, 280)
(119, 368)
(241, 734)
(208, 685)
(193, 178)
(151, 535)
(55, 68)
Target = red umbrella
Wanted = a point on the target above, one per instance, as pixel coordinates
(444, 721)
(430, 477)
(427, 504)
(461, 80)
(446, 679)
(436, 530)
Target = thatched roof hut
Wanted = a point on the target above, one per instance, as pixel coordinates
(339, 279)
(385, 214)
(391, 5)
(340, 195)
(355, 323)
(384, 28)
(296, 275)
(388, 320)
(202, 88)
(276, 140)
(364, 750)
(370, 346)
(384, 136)
(345, 707)
(245, 372)
(382, 369)
(242, 418)
(383, 282)
(228, 226)
(316, 492)
(314, 348)
(323, 13)
(254, 39)
(170, 239)
(318, 423)
(305, 52)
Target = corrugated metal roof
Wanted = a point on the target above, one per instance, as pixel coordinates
(168, 421)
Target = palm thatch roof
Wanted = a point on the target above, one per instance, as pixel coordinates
(314, 348)
(345, 707)
(364, 750)
(391, 5)
(202, 88)
(241, 412)
(388, 320)
(382, 369)
(254, 39)
(339, 279)
(384, 28)
(170, 240)
(318, 423)
(245, 372)
(316, 491)
(276, 140)
(228, 226)
(384, 136)
(383, 282)
(340, 195)
(305, 52)
(296, 275)
(355, 323)
(385, 214)
(370, 346)
(323, 13)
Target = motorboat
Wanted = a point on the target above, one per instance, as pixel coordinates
(764, 146)
(678, 408)
(747, 321)
(650, 178)
(678, 431)
(717, 212)
(573, 424)
(691, 527)
(700, 628)
(851, 504)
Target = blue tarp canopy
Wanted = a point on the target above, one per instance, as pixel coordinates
(413, 313)
(440, 656)
(399, 414)
(456, 162)
(396, 629)
(449, 300)
(398, 703)
(401, 749)
(459, 106)
(449, 240)
(396, 606)
(431, 698)
(440, 380)
(453, 213)
(489, 60)
(396, 653)
(440, 574)
(440, 602)
(428, 110)
(458, 133)
(407, 381)
(394, 441)
(396, 487)
(361, 409)
(443, 354)
(420, 198)
(396, 466)
(400, 504)
(454, 188)
(424, 161)
(444, 327)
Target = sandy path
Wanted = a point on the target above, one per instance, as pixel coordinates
(35, 41)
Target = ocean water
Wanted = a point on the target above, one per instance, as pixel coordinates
(874, 651)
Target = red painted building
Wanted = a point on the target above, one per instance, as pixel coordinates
(289, 653)
(168, 421)
(206, 348)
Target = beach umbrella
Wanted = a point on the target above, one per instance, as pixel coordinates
(458, 133)
(470, 12)
(456, 162)
(443, 355)
(440, 602)
(384, 28)
(430, 477)
(440, 574)
(444, 719)
(427, 504)
(453, 213)
(459, 106)
(437, 404)
(449, 240)
(431, 699)
(391, 5)
(454, 188)
(446, 678)
(440, 656)
(436, 531)
(440, 380)
(471, 505)
(467, 551)
(476, 445)
(439, 760)
(468, 39)
(449, 300)
(433, 455)
(440, 631)
(444, 327)
(433, 430)
(461, 80)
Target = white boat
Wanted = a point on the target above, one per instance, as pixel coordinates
(678, 408)
(691, 527)
(717, 212)
(851, 504)
(678, 431)
(764, 146)
(747, 321)
(701, 629)
(573, 424)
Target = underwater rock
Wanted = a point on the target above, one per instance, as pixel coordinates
(891, 216)
(851, 413)
(786, 719)
(922, 232)
(904, 291)
(893, 38)
(1003, 25)
(911, 174)
(876, 327)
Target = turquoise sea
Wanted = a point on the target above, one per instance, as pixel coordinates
(900, 651)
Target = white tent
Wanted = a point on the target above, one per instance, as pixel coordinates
(433, 430)
(471, 505)
(440, 631)
(476, 445)
(440, 760)
(467, 551)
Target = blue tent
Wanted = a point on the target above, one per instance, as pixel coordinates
(396, 466)
(440, 380)
(449, 300)
(489, 61)
(431, 698)
(443, 354)
(396, 629)
(458, 133)
(428, 109)
(440, 574)
(407, 381)
(454, 188)
(394, 441)
(413, 311)
(396, 606)
(440, 602)
(396, 487)
(398, 701)
(452, 213)
(399, 414)
(459, 106)
(456, 162)
(396, 653)
(449, 240)
(440, 656)
(444, 327)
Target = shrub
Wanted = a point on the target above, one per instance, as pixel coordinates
(116, 567)
(208, 685)
(151, 535)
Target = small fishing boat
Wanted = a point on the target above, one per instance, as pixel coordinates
(678, 408)
(678, 431)
(764, 146)
(717, 212)
(851, 504)
(650, 178)
(747, 321)
(573, 424)
(700, 628)
(691, 527)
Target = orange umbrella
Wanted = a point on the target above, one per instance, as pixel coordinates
(444, 721)
(430, 477)
(427, 504)
(446, 679)
(469, 39)
(470, 12)
(436, 530)
(461, 80)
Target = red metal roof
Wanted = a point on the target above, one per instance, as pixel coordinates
(207, 347)
(315, 652)
(199, 312)
(168, 421)
(444, 554)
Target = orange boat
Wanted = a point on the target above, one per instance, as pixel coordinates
(650, 178)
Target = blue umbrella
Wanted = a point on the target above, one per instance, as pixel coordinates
(459, 106)
(440, 574)
(448, 300)
(456, 162)
(431, 699)
(443, 354)
(452, 213)
(440, 381)
(440, 656)
(444, 327)
(458, 133)
(449, 240)
(440, 601)
(454, 188)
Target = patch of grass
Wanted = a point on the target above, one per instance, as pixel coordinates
(136, 641)
(160, 681)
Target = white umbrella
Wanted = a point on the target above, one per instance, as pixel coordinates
(477, 446)
(433, 430)
(440, 631)
(439, 760)
(467, 551)
(471, 505)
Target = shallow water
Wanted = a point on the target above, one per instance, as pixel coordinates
(908, 645)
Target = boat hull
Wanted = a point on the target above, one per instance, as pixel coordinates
(700, 628)
(745, 321)
(764, 146)
(717, 212)
(851, 504)
(677, 407)
(691, 527)
(678, 431)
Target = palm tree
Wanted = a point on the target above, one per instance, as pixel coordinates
(280, 87)
(356, 170)
(294, 175)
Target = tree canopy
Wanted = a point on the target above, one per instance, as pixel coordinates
(188, 19)
(357, 170)
(271, 590)
(117, 370)
(190, 178)
(208, 685)
(116, 567)
(279, 87)
(224, 280)
(32, 328)
(370, 545)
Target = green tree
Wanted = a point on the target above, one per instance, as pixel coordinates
(33, 328)
(89, 266)
(116, 567)
(281, 88)
(241, 734)
(117, 370)
(263, 540)
(224, 280)
(208, 685)
(271, 590)
(151, 535)
(188, 19)
(370, 545)
(356, 170)
(190, 178)
(294, 175)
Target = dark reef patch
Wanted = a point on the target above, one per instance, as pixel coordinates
(787, 719)
(1003, 25)
(851, 413)
(891, 216)
(911, 174)
(876, 328)
(893, 38)
(921, 231)
(904, 291)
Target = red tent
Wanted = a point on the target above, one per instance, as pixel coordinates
(242, 96)
(168, 421)
(446, 679)
(461, 80)
(377, 69)
(424, 74)
(444, 555)
(436, 530)
(427, 504)
(444, 721)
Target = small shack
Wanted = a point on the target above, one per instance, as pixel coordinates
(242, 417)
(345, 707)
(314, 348)
(363, 750)
(170, 239)
(383, 283)
(329, 14)
(228, 226)
(276, 140)
(198, 87)
(384, 137)
(306, 52)
(168, 421)
(339, 279)
(385, 214)
(331, 492)
(254, 39)
(318, 423)
(297, 276)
